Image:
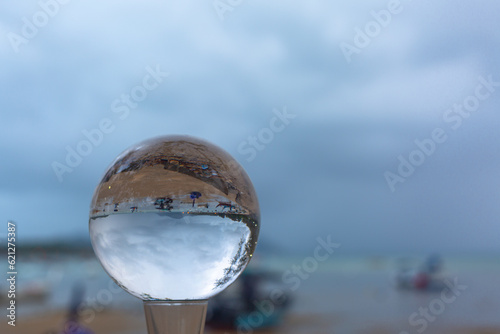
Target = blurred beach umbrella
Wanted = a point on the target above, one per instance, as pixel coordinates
(194, 195)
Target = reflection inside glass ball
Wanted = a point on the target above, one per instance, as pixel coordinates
(174, 218)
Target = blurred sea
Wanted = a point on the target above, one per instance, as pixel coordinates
(354, 293)
(358, 293)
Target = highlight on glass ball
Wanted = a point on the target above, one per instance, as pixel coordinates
(174, 218)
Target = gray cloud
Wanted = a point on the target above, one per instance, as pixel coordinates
(324, 172)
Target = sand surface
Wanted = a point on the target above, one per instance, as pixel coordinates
(112, 322)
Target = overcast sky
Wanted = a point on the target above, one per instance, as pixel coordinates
(356, 86)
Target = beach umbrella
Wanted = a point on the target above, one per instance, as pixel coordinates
(194, 195)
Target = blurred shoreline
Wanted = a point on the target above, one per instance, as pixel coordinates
(345, 294)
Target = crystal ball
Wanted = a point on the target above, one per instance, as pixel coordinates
(174, 218)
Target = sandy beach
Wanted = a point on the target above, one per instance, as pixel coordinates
(132, 323)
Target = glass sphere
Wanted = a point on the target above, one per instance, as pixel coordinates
(174, 218)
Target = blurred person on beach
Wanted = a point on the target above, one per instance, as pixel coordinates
(72, 325)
